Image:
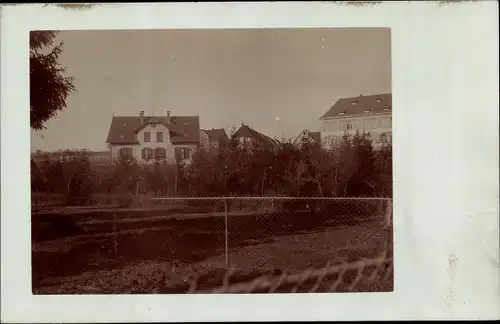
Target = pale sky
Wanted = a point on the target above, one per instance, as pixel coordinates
(278, 81)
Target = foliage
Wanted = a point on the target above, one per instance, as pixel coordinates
(49, 88)
(349, 168)
(79, 185)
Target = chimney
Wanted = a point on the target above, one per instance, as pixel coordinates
(168, 116)
(141, 114)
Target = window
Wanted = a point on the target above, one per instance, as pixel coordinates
(160, 153)
(185, 153)
(126, 151)
(147, 154)
(159, 136)
(383, 138)
(147, 137)
(349, 126)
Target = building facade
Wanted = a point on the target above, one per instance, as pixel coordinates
(250, 137)
(212, 140)
(151, 138)
(306, 136)
(371, 114)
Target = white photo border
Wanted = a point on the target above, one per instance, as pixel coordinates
(445, 117)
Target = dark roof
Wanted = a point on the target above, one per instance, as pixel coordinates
(247, 131)
(183, 129)
(357, 106)
(218, 134)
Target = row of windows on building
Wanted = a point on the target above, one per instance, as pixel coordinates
(209, 144)
(365, 124)
(147, 137)
(382, 138)
(158, 153)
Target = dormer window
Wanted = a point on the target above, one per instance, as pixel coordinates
(341, 113)
(387, 109)
(368, 110)
(355, 102)
(379, 100)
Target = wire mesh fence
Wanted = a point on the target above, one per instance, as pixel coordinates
(233, 244)
(364, 275)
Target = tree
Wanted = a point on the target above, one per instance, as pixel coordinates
(49, 88)
(79, 186)
(383, 171)
(37, 180)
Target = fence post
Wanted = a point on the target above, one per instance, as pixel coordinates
(388, 214)
(226, 249)
(388, 226)
(114, 234)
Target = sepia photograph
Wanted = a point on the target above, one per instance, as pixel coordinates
(270, 161)
(211, 161)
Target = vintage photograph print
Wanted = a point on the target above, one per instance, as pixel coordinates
(211, 161)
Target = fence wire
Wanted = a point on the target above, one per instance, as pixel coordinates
(239, 244)
(330, 278)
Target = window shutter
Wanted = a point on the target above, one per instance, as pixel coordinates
(178, 153)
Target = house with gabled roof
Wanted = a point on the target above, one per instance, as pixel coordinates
(149, 138)
(308, 136)
(249, 136)
(213, 139)
(371, 114)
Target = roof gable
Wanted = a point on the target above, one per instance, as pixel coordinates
(247, 131)
(184, 129)
(372, 104)
(218, 134)
(305, 134)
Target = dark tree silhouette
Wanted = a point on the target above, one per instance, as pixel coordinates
(49, 88)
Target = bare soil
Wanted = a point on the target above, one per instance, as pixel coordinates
(162, 252)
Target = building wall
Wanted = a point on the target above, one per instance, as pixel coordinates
(379, 127)
(115, 150)
(204, 139)
(166, 144)
(152, 144)
(206, 143)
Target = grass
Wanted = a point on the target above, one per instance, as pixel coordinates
(163, 254)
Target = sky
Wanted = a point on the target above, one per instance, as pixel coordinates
(278, 81)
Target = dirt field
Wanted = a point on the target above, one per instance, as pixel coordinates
(162, 251)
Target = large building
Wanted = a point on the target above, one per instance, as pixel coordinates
(148, 138)
(372, 114)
